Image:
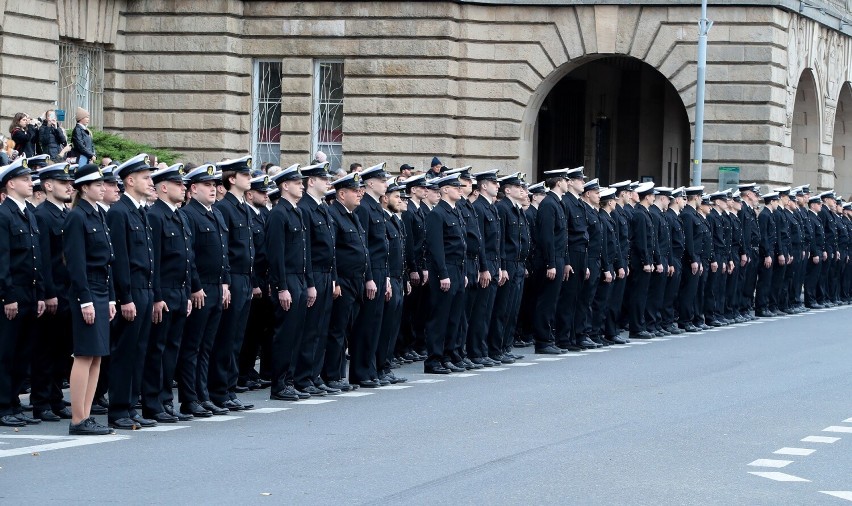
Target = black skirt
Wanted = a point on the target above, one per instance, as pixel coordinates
(92, 340)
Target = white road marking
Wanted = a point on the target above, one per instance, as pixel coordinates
(776, 476)
(820, 439)
(638, 342)
(462, 375)
(848, 420)
(599, 350)
(619, 346)
(493, 369)
(803, 452)
(69, 442)
(364, 394)
(217, 419)
(841, 494)
(164, 428)
(396, 387)
(550, 359)
(838, 428)
(266, 410)
(415, 381)
(661, 339)
(770, 463)
(521, 364)
(310, 402)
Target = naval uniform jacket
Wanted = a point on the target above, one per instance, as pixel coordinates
(51, 220)
(768, 238)
(20, 256)
(551, 232)
(87, 248)
(209, 237)
(414, 221)
(490, 228)
(515, 233)
(240, 243)
(643, 248)
(321, 230)
(351, 254)
(372, 218)
(133, 267)
(172, 252)
(289, 247)
(445, 240)
(693, 247)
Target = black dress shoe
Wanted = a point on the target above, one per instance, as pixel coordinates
(88, 427)
(617, 340)
(383, 381)
(195, 409)
(64, 413)
(394, 379)
(471, 365)
(370, 384)
(514, 355)
(27, 419)
(328, 390)
(482, 362)
(264, 383)
(453, 368)
(435, 369)
(341, 385)
(314, 391)
(97, 409)
(548, 350)
(587, 344)
(288, 393)
(11, 421)
(216, 410)
(240, 389)
(164, 418)
(641, 335)
(504, 359)
(102, 401)
(124, 424)
(45, 415)
(230, 405)
(244, 406)
(144, 422)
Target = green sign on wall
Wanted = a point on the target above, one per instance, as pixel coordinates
(729, 177)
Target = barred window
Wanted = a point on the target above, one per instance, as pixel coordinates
(328, 111)
(81, 82)
(266, 112)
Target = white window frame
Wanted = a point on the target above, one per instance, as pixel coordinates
(255, 115)
(317, 105)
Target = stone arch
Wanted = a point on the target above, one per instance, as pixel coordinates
(806, 134)
(842, 141)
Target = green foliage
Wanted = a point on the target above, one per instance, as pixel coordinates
(118, 148)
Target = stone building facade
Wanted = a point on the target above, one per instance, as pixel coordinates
(516, 85)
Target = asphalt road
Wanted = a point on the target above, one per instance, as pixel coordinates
(677, 421)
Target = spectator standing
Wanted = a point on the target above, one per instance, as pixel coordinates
(81, 137)
(24, 132)
(52, 137)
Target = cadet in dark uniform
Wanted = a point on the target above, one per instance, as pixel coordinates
(692, 258)
(642, 255)
(673, 286)
(133, 270)
(224, 361)
(550, 260)
(598, 270)
(778, 293)
(291, 285)
(483, 288)
(207, 278)
(525, 335)
(738, 259)
(751, 242)
(612, 264)
(569, 313)
(796, 260)
(802, 215)
(707, 262)
(445, 254)
(21, 289)
(720, 233)
(88, 253)
(172, 265)
(415, 305)
(622, 221)
(261, 321)
(364, 338)
(768, 251)
(317, 218)
(663, 262)
(52, 346)
(829, 227)
(392, 313)
(351, 258)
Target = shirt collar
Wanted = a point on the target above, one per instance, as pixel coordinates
(172, 207)
(21, 205)
(136, 204)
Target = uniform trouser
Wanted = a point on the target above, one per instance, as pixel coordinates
(730, 310)
(16, 340)
(129, 344)
(366, 328)
(289, 327)
(778, 295)
(258, 340)
(391, 318)
(315, 334)
(161, 357)
(480, 319)
(587, 296)
(613, 308)
(813, 273)
(719, 290)
(421, 317)
(638, 298)
(410, 316)
(344, 310)
(700, 294)
(749, 281)
(764, 286)
(847, 280)
(688, 294)
(471, 294)
(547, 300)
(504, 316)
(600, 309)
(199, 333)
(224, 360)
(823, 293)
(711, 293)
(668, 316)
(528, 300)
(52, 346)
(834, 280)
(792, 294)
(445, 315)
(654, 304)
(568, 310)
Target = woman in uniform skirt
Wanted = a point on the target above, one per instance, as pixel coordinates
(88, 255)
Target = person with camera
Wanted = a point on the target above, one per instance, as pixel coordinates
(81, 138)
(24, 132)
(52, 139)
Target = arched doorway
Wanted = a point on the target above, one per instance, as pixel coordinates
(806, 134)
(620, 118)
(842, 145)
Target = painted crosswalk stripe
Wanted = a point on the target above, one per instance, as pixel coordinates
(493, 369)
(395, 387)
(263, 411)
(838, 428)
(770, 463)
(820, 439)
(599, 350)
(312, 402)
(840, 494)
(550, 359)
(415, 381)
(462, 375)
(777, 476)
(67, 442)
(163, 428)
(661, 339)
(521, 364)
(357, 394)
(638, 342)
(228, 418)
(802, 452)
(848, 420)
